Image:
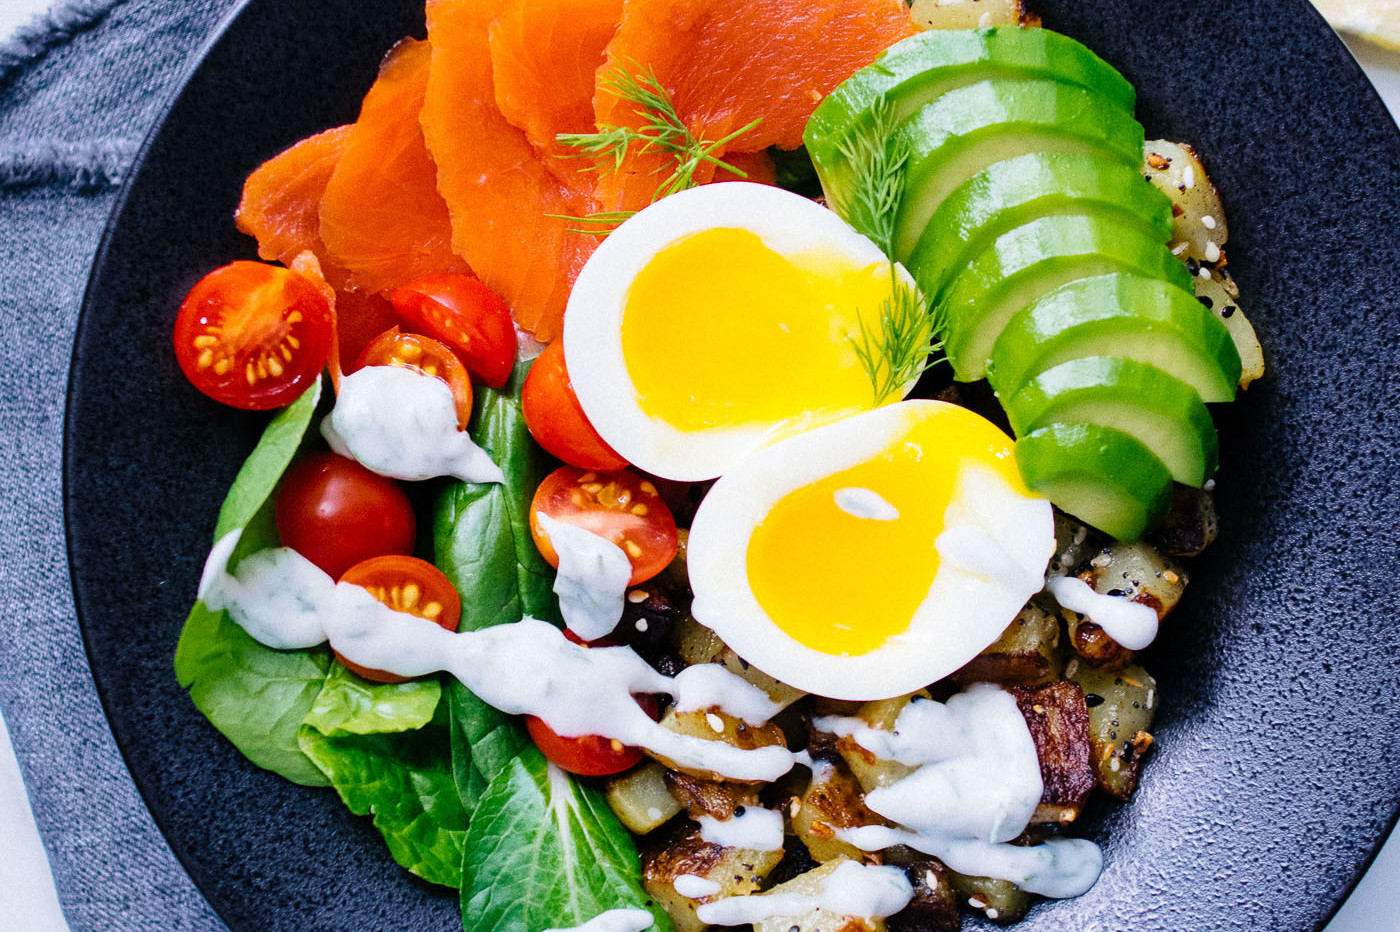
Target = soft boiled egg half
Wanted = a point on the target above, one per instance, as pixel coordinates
(719, 318)
(873, 555)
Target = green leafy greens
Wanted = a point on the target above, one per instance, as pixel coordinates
(544, 851)
(256, 696)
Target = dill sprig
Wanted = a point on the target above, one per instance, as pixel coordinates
(897, 348)
(599, 224)
(662, 130)
(875, 155)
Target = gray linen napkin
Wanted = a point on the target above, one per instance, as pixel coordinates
(79, 89)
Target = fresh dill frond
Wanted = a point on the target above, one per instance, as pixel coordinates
(876, 156)
(896, 349)
(662, 130)
(599, 224)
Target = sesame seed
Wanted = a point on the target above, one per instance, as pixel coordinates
(1208, 222)
(1229, 311)
(641, 624)
(715, 721)
(637, 595)
(1209, 486)
(1212, 251)
(975, 903)
(1188, 177)
(1181, 247)
(1204, 273)
(992, 913)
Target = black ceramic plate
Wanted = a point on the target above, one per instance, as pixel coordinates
(1276, 772)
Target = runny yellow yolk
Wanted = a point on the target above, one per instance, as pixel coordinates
(719, 330)
(840, 583)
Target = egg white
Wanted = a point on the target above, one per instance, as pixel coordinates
(787, 223)
(971, 601)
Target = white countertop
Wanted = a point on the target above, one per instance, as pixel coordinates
(27, 897)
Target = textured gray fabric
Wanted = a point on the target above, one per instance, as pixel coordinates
(78, 91)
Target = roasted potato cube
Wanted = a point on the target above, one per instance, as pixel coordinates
(1198, 217)
(715, 725)
(1058, 719)
(870, 770)
(815, 920)
(715, 798)
(1026, 653)
(1135, 571)
(1222, 296)
(780, 692)
(934, 907)
(668, 855)
(640, 798)
(1075, 543)
(1190, 526)
(832, 800)
(1121, 708)
(970, 14)
(694, 642)
(999, 900)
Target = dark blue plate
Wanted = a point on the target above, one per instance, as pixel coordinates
(1275, 773)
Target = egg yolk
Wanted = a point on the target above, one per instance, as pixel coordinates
(719, 330)
(841, 565)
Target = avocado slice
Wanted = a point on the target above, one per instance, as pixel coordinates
(1124, 315)
(1098, 474)
(919, 69)
(1010, 193)
(967, 129)
(1023, 264)
(1163, 412)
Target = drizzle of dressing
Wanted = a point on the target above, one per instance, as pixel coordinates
(694, 886)
(710, 686)
(281, 599)
(859, 502)
(614, 920)
(852, 889)
(752, 827)
(402, 423)
(1130, 623)
(976, 786)
(592, 578)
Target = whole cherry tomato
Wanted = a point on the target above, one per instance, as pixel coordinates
(622, 506)
(425, 355)
(555, 418)
(253, 335)
(405, 584)
(466, 315)
(335, 512)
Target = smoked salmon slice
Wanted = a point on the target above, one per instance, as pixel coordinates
(281, 204)
(545, 55)
(729, 62)
(381, 217)
(500, 195)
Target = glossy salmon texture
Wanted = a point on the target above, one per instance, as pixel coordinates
(382, 218)
(727, 63)
(506, 206)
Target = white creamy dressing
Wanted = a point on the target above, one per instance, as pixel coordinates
(859, 502)
(693, 886)
(711, 686)
(752, 827)
(592, 578)
(975, 787)
(614, 920)
(402, 423)
(1130, 623)
(852, 889)
(281, 599)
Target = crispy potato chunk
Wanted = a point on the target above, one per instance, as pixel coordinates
(1137, 571)
(671, 854)
(1058, 719)
(640, 798)
(999, 900)
(868, 769)
(831, 801)
(816, 920)
(1026, 653)
(1121, 708)
(1191, 525)
(934, 907)
(715, 725)
(970, 14)
(715, 798)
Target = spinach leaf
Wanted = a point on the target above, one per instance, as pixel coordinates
(256, 696)
(351, 705)
(544, 851)
(482, 542)
(404, 780)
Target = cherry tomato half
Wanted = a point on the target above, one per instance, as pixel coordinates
(335, 512)
(405, 584)
(622, 506)
(466, 315)
(253, 335)
(556, 419)
(425, 355)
